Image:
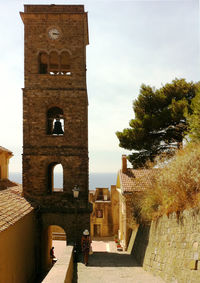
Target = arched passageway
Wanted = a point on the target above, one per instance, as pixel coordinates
(52, 236)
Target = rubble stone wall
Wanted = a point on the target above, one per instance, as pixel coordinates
(173, 248)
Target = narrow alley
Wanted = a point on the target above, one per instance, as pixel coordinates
(107, 265)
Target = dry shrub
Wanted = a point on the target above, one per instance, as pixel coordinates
(176, 188)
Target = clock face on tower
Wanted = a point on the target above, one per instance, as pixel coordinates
(54, 33)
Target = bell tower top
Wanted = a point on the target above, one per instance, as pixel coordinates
(55, 43)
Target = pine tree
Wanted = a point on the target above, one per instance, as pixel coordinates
(159, 124)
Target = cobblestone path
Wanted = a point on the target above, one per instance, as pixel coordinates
(106, 265)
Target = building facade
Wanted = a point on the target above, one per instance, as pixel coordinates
(131, 183)
(17, 229)
(5, 156)
(104, 221)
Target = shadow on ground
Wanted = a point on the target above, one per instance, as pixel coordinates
(111, 259)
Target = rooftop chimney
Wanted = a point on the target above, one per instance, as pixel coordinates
(124, 163)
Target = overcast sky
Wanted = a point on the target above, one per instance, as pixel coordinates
(131, 42)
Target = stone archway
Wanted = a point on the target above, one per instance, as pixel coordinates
(69, 221)
(52, 236)
(72, 223)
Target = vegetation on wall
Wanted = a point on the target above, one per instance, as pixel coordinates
(159, 125)
(176, 188)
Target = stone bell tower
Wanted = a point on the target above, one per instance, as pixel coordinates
(55, 115)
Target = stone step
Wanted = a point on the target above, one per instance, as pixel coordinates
(58, 236)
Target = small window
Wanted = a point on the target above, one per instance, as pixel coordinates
(100, 194)
(55, 121)
(43, 63)
(55, 177)
(99, 213)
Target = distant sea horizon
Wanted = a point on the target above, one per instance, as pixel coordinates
(96, 180)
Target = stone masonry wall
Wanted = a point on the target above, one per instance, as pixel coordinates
(173, 249)
(61, 85)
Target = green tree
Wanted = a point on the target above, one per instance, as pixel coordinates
(194, 119)
(159, 124)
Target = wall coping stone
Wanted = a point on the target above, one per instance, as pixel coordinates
(59, 272)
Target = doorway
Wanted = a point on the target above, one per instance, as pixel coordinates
(97, 230)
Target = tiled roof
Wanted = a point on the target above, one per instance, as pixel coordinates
(5, 149)
(12, 206)
(135, 180)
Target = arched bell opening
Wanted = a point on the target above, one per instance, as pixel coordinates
(54, 63)
(55, 177)
(55, 121)
(65, 63)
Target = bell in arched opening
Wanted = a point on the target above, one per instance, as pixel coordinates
(57, 129)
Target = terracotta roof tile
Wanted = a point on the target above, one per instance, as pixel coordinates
(12, 206)
(135, 180)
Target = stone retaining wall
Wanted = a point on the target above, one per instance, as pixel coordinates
(173, 247)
